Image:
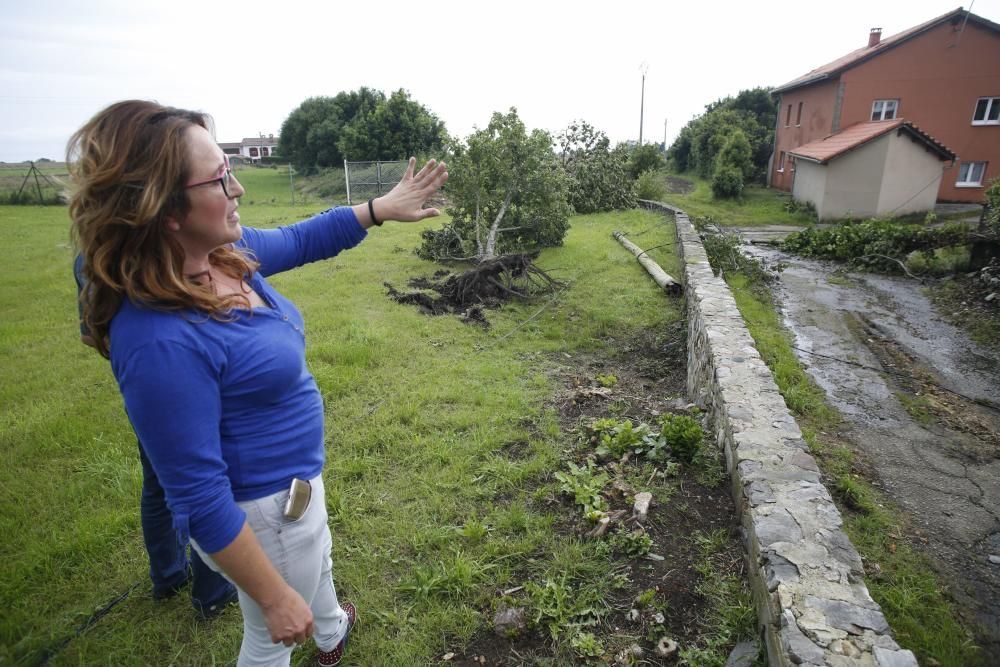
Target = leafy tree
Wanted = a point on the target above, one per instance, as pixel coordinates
(698, 144)
(508, 193)
(361, 124)
(736, 153)
(396, 129)
(645, 158)
(598, 176)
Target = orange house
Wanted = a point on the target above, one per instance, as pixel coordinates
(942, 76)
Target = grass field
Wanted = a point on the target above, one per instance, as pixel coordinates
(417, 409)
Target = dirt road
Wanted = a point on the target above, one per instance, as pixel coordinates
(939, 460)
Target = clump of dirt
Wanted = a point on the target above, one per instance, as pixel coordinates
(486, 285)
(679, 186)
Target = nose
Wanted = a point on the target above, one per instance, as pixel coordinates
(236, 188)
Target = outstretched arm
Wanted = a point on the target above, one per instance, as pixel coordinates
(405, 202)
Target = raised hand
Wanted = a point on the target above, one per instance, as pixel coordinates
(405, 201)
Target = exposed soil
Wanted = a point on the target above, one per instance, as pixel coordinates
(679, 186)
(486, 285)
(916, 394)
(650, 379)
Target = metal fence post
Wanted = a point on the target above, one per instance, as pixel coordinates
(347, 180)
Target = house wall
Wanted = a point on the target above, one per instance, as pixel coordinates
(810, 183)
(937, 78)
(853, 181)
(911, 179)
(817, 120)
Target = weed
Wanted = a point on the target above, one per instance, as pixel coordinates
(558, 608)
(632, 544)
(607, 380)
(474, 531)
(645, 598)
(854, 494)
(585, 486)
(586, 645)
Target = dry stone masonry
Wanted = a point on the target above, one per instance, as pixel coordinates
(812, 602)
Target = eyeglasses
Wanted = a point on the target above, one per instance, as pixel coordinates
(225, 177)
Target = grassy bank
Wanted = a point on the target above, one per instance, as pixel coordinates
(432, 513)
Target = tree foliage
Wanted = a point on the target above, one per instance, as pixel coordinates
(647, 157)
(507, 192)
(598, 176)
(360, 125)
(699, 142)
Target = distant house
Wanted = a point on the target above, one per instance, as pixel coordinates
(942, 76)
(252, 148)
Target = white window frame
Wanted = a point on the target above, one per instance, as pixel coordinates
(882, 107)
(967, 174)
(992, 104)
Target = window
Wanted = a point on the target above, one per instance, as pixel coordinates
(987, 111)
(970, 174)
(781, 161)
(253, 151)
(798, 117)
(263, 151)
(788, 116)
(884, 109)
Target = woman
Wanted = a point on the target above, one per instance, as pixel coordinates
(210, 359)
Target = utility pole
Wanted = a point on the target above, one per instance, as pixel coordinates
(664, 135)
(644, 67)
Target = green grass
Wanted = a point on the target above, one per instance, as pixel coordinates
(899, 578)
(418, 412)
(757, 206)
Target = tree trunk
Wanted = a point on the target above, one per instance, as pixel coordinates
(491, 237)
(983, 250)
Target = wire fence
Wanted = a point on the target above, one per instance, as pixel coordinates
(365, 180)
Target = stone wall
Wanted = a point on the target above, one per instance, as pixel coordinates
(812, 603)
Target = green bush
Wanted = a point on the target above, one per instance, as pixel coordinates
(650, 186)
(645, 158)
(683, 434)
(727, 183)
(736, 153)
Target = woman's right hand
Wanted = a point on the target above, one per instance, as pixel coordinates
(289, 619)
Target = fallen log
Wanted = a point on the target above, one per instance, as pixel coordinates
(661, 277)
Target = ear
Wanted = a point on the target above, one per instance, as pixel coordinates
(172, 224)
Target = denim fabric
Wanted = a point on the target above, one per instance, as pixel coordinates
(168, 557)
(300, 551)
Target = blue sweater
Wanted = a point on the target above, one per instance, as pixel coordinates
(228, 411)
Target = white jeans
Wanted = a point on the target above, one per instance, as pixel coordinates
(300, 551)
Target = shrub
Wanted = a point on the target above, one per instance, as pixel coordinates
(683, 434)
(650, 186)
(645, 158)
(727, 183)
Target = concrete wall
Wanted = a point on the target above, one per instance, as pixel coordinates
(812, 603)
(854, 180)
(810, 183)
(911, 179)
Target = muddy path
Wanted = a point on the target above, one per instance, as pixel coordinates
(936, 454)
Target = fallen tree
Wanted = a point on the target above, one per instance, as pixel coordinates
(660, 277)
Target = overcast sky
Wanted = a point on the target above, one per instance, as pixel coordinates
(250, 63)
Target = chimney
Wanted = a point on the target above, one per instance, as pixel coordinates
(874, 37)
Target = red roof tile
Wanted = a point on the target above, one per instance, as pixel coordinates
(859, 134)
(858, 56)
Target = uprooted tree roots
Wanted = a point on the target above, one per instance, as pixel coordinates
(486, 285)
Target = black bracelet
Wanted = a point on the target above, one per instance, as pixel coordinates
(371, 212)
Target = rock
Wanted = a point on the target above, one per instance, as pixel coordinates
(991, 297)
(995, 559)
(658, 618)
(641, 508)
(447, 656)
(633, 615)
(889, 658)
(666, 647)
(652, 556)
(743, 654)
(509, 623)
(849, 617)
(602, 527)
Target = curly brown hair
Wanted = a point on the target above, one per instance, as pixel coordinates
(129, 164)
